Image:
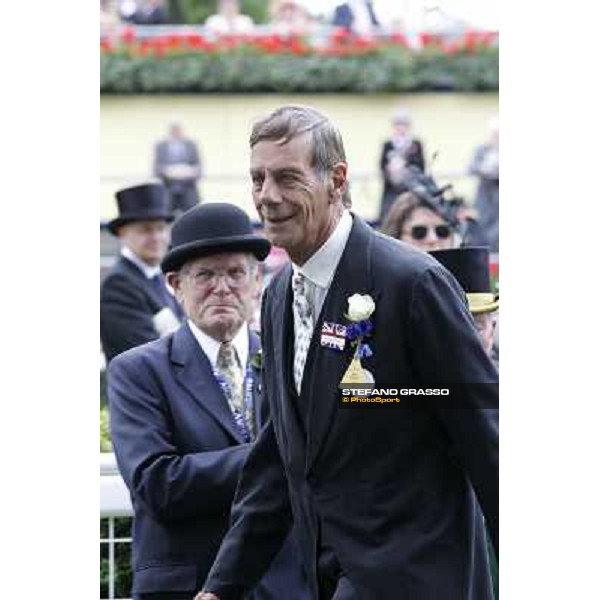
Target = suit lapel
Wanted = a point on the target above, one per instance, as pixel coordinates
(133, 271)
(283, 336)
(325, 367)
(195, 374)
(260, 414)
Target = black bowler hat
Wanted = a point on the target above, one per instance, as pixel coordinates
(141, 203)
(211, 228)
(471, 267)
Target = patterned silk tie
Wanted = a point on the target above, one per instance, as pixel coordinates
(303, 324)
(229, 367)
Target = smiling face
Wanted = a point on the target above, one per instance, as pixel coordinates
(218, 292)
(299, 206)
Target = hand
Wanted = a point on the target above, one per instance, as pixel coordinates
(205, 596)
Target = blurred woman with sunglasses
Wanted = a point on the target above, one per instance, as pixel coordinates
(416, 221)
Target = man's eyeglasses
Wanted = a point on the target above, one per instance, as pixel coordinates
(235, 277)
(419, 232)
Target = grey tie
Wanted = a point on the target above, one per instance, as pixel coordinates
(229, 366)
(303, 324)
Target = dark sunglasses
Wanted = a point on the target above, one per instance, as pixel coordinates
(419, 232)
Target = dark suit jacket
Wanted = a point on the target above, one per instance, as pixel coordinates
(414, 157)
(344, 17)
(395, 493)
(180, 454)
(128, 301)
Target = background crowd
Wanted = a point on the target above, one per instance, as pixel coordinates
(286, 17)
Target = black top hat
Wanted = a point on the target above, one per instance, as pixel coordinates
(471, 267)
(209, 229)
(141, 203)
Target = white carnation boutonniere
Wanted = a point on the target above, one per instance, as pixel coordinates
(360, 309)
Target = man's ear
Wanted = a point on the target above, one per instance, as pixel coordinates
(338, 180)
(174, 280)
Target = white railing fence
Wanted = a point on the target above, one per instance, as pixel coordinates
(115, 515)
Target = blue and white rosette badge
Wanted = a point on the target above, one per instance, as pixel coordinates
(360, 308)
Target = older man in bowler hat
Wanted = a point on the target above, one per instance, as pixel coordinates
(135, 304)
(389, 502)
(185, 410)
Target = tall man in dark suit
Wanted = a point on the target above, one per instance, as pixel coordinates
(177, 162)
(135, 304)
(185, 409)
(387, 502)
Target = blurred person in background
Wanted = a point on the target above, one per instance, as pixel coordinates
(177, 163)
(185, 409)
(485, 166)
(398, 153)
(127, 10)
(471, 268)
(229, 20)
(356, 16)
(135, 304)
(109, 17)
(422, 217)
(289, 18)
(151, 12)
(469, 228)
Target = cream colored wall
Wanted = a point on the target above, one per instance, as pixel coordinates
(452, 124)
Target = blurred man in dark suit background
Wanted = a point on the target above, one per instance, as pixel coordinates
(135, 304)
(177, 162)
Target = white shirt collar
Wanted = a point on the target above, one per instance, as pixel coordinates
(210, 346)
(149, 271)
(321, 266)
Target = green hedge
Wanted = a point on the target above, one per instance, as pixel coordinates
(247, 70)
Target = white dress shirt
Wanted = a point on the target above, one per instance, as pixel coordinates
(211, 346)
(320, 267)
(149, 271)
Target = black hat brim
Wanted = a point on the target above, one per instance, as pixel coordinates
(114, 225)
(175, 258)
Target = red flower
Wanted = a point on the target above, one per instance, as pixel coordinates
(489, 37)
(340, 35)
(128, 35)
(196, 41)
(106, 46)
(297, 46)
(400, 39)
(471, 41)
(174, 41)
(452, 48)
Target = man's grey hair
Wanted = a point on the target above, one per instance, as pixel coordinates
(292, 120)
